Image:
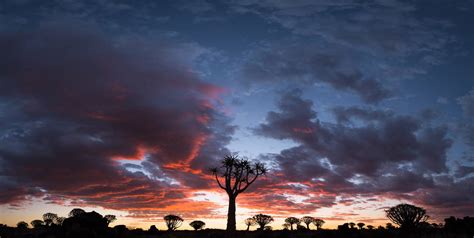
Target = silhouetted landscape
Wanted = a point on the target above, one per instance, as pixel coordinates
(91, 224)
(236, 118)
(235, 176)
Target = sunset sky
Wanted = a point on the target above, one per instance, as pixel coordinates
(123, 106)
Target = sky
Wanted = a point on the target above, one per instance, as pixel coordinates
(123, 106)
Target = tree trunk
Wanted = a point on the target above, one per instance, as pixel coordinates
(231, 214)
(291, 225)
(307, 226)
(248, 228)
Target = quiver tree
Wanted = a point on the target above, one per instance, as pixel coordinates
(262, 220)
(250, 222)
(49, 218)
(110, 218)
(197, 225)
(406, 216)
(235, 176)
(307, 220)
(22, 225)
(361, 225)
(76, 212)
(36, 223)
(173, 222)
(318, 223)
(292, 221)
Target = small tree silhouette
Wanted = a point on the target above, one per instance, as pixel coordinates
(22, 225)
(318, 223)
(173, 222)
(76, 212)
(286, 226)
(407, 216)
(262, 220)
(36, 223)
(370, 227)
(292, 221)
(307, 220)
(110, 218)
(49, 218)
(389, 226)
(352, 225)
(197, 225)
(152, 229)
(361, 225)
(250, 222)
(236, 175)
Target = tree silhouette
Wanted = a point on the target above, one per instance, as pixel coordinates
(307, 220)
(250, 222)
(22, 225)
(262, 220)
(197, 225)
(361, 225)
(389, 226)
(370, 227)
(352, 225)
(36, 223)
(173, 222)
(236, 175)
(59, 221)
(153, 229)
(286, 226)
(292, 221)
(318, 223)
(406, 216)
(75, 212)
(49, 218)
(110, 218)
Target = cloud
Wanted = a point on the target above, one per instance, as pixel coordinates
(359, 47)
(310, 64)
(76, 103)
(383, 154)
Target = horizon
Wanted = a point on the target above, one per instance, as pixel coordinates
(122, 107)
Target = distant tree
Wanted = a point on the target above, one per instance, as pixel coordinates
(75, 212)
(286, 226)
(250, 222)
(153, 229)
(318, 223)
(380, 227)
(49, 218)
(197, 225)
(301, 228)
(22, 225)
(352, 225)
(343, 227)
(389, 226)
(370, 227)
(268, 228)
(173, 222)
(262, 220)
(406, 216)
(307, 220)
(59, 221)
(361, 225)
(292, 221)
(36, 223)
(236, 175)
(110, 218)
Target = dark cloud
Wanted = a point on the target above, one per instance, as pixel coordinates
(347, 114)
(383, 154)
(310, 64)
(75, 103)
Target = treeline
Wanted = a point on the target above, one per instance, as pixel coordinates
(410, 221)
